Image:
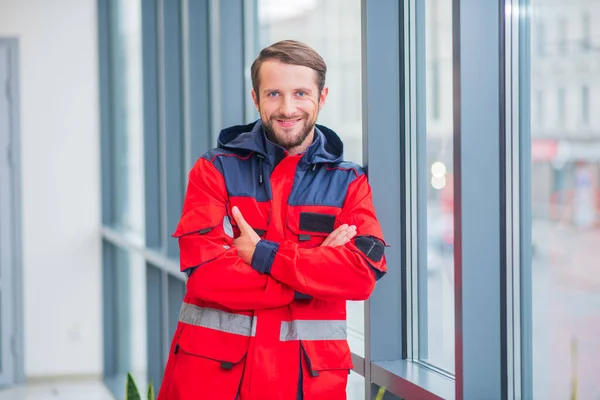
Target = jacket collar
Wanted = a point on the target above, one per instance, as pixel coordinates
(327, 147)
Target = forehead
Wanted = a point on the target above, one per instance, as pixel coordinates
(277, 75)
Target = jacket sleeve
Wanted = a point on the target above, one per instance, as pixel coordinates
(207, 254)
(332, 273)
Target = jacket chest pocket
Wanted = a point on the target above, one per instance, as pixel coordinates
(257, 214)
(309, 226)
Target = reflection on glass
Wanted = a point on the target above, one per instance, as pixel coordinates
(126, 126)
(333, 29)
(355, 389)
(436, 204)
(565, 201)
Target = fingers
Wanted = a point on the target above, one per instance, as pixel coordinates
(335, 236)
(339, 237)
(245, 228)
(241, 222)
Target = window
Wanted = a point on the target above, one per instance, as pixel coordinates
(126, 123)
(585, 104)
(124, 274)
(433, 53)
(333, 29)
(561, 107)
(586, 34)
(432, 270)
(562, 37)
(540, 42)
(538, 106)
(562, 214)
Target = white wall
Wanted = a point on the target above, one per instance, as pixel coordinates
(60, 183)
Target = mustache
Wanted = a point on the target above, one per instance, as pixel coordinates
(281, 116)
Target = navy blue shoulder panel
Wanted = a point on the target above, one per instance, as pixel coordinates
(349, 165)
(325, 185)
(212, 154)
(241, 171)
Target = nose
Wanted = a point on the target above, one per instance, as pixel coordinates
(287, 106)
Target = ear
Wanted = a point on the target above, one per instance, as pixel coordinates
(323, 97)
(255, 99)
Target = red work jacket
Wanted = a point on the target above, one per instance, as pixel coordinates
(275, 329)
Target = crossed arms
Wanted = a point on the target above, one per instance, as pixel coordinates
(249, 273)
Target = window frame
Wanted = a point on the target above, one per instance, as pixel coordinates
(388, 54)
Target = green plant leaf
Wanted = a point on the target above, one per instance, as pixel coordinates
(151, 395)
(131, 390)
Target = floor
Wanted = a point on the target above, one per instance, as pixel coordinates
(89, 390)
(95, 390)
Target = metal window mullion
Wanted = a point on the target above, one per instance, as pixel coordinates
(107, 181)
(109, 304)
(186, 87)
(382, 58)
(199, 77)
(162, 151)
(215, 68)
(512, 232)
(152, 120)
(164, 316)
(155, 336)
(478, 277)
(419, 136)
(523, 122)
(411, 209)
(251, 49)
(172, 144)
(18, 345)
(106, 117)
(508, 228)
(231, 58)
(364, 35)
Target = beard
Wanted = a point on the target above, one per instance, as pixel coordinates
(283, 137)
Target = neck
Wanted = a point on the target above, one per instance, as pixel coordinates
(302, 148)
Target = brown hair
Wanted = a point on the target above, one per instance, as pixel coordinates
(290, 52)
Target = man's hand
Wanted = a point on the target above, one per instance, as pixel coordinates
(246, 242)
(342, 235)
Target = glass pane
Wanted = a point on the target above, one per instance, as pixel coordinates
(565, 197)
(125, 295)
(333, 29)
(435, 184)
(126, 124)
(355, 389)
(138, 315)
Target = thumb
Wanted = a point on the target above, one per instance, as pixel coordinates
(239, 218)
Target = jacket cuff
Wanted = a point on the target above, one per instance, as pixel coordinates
(301, 296)
(263, 257)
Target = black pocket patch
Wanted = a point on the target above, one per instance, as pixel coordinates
(371, 247)
(315, 222)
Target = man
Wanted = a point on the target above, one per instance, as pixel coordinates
(277, 232)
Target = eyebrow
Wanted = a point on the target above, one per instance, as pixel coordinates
(295, 90)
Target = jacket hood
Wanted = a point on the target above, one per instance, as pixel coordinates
(327, 147)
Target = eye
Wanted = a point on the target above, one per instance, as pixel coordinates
(272, 94)
(301, 93)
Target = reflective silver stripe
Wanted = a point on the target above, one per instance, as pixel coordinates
(227, 228)
(313, 330)
(218, 319)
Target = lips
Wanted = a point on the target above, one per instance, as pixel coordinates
(288, 123)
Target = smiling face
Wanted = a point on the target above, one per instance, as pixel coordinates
(288, 101)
